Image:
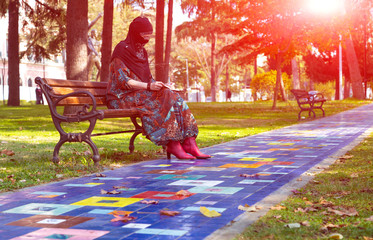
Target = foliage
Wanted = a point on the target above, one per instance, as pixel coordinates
(326, 88)
(263, 84)
(29, 132)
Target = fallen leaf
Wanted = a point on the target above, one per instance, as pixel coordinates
(149, 202)
(124, 218)
(7, 152)
(185, 193)
(277, 216)
(370, 219)
(209, 213)
(169, 213)
(248, 208)
(249, 175)
(344, 212)
(110, 192)
(278, 207)
(305, 223)
(299, 179)
(293, 225)
(368, 238)
(118, 212)
(335, 236)
(100, 175)
(120, 187)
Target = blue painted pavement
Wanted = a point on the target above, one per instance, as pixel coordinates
(241, 172)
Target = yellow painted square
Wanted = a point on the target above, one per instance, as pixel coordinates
(257, 159)
(118, 201)
(92, 183)
(234, 165)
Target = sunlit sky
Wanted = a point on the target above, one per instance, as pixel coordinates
(325, 6)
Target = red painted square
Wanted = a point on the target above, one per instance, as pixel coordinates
(161, 195)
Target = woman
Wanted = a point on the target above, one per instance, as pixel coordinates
(166, 118)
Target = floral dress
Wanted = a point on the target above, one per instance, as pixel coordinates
(165, 115)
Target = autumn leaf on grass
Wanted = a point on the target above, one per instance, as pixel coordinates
(248, 208)
(149, 202)
(169, 213)
(184, 193)
(277, 207)
(344, 212)
(209, 213)
(367, 238)
(305, 223)
(7, 152)
(119, 218)
(370, 219)
(335, 236)
(109, 192)
(325, 203)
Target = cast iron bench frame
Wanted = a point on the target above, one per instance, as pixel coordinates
(309, 102)
(89, 95)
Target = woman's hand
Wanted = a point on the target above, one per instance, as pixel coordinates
(156, 86)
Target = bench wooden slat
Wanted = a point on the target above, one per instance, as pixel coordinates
(118, 113)
(75, 83)
(81, 101)
(66, 90)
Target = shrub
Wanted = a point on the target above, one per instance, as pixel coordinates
(264, 84)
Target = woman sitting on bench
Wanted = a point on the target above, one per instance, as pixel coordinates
(167, 120)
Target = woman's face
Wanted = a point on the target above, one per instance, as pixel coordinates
(146, 36)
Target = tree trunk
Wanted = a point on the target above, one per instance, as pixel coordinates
(13, 54)
(159, 31)
(77, 37)
(213, 87)
(107, 36)
(168, 41)
(353, 66)
(226, 83)
(278, 79)
(76, 45)
(295, 73)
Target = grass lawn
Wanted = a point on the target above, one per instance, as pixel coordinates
(28, 137)
(337, 202)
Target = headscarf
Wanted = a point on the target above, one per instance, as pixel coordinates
(132, 52)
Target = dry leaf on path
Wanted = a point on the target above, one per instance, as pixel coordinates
(149, 202)
(248, 208)
(109, 192)
(100, 175)
(124, 218)
(169, 213)
(209, 213)
(185, 193)
(249, 175)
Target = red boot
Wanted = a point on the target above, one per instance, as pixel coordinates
(190, 146)
(174, 147)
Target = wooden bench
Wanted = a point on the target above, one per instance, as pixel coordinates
(88, 95)
(309, 101)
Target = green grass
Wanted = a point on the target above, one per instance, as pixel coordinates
(345, 186)
(28, 131)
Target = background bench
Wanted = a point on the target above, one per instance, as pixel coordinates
(88, 95)
(308, 101)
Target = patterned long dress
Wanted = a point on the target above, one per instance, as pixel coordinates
(166, 117)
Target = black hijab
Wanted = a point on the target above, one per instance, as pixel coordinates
(132, 52)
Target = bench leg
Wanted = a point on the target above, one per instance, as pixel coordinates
(96, 155)
(132, 141)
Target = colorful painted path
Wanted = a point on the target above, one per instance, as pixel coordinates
(241, 172)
